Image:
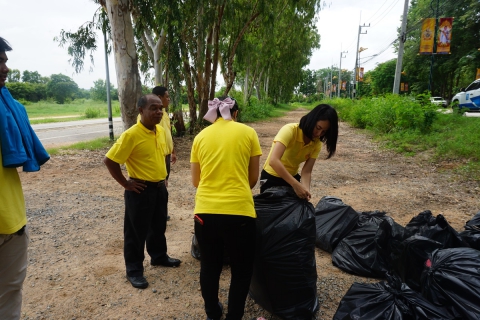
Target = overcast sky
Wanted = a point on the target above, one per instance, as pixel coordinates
(31, 25)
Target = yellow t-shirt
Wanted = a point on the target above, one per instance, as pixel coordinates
(143, 152)
(12, 204)
(296, 152)
(223, 151)
(165, 123)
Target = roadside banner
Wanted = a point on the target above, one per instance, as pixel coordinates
(344, 85)
(335, 87)
(478, 74)
(360, 74)
(444, 35)
(406, 86)
(427, 37)
(402, 86)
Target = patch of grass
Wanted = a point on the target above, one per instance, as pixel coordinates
(50, 120)
(50, 109)
(92, 145)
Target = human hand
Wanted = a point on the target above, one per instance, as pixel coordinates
(133, 185)
(166, 183)
(302, 192)
(173, 158)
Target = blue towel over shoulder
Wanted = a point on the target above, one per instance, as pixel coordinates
(20, 144)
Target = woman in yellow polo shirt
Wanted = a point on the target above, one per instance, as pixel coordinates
(296, 143)
(225, 163)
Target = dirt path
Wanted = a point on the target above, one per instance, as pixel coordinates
(75, 212)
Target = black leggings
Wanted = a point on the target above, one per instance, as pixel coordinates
(268, 181)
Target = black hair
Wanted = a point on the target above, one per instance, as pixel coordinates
(143, 101)
(234, 108)
(322, 112)
(159, 91)
(4, 45)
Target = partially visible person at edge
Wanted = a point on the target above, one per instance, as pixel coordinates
(20, 146)
(171, 156)
(142, 149)
(225, 162)
(296, 143)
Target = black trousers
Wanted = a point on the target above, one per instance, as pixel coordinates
(168, 160)
(145, 223)
(268, 181)
(237, 234)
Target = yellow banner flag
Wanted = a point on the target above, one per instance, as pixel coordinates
(344, 85)
(402, 86)
(428, 36)
(478, 74)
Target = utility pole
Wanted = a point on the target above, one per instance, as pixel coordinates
(356, 58)
(434, 47)
(107, 83)
(340, 72)
(331, 81)
(401, 39)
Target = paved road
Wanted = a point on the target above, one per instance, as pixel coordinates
(64, 133)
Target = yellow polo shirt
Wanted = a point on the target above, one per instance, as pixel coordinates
(296, 152)
(166, 125)
(12, 204)
(223, 151)
(143, 152)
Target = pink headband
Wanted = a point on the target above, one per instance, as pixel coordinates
(223, 105)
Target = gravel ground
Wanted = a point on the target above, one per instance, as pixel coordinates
(75, 212)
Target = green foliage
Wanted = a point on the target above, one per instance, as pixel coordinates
(31, 76)
(407, 125)
(60, 87)
(13, 75)
(27, 91)
(388, 114)
(99, 91)
(92, 113)
(382, 77)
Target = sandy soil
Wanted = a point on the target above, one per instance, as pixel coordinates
(75, 212)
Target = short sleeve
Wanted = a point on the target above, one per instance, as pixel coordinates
(193, 154)
(256, 149)
(122, 149)
(316, 150)
(285, 135)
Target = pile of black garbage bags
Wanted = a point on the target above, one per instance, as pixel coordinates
(431, 270)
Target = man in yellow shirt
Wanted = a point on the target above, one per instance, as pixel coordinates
(19, 146)
(142, 149)
(171, 156)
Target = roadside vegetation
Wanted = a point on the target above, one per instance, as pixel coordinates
(410, 126)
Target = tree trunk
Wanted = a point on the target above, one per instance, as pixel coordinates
(126, 61)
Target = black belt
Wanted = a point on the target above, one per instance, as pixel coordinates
(157, 184)
(21, 231)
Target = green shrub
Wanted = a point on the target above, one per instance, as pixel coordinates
(91, 113)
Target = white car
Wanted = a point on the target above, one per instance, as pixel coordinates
(439, 101)
(468, 98)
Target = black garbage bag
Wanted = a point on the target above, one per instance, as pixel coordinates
(284, 280)
(437, 229)
(471, 235)
(370, 217)
(420, 222)
(334, 220)
(451, 278)
(357, 252)
(391, 299)
(194, 248)
(388, 240)
(409, 265)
